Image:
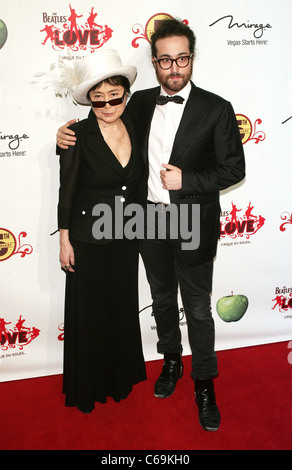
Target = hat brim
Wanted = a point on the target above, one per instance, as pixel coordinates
(81, 90)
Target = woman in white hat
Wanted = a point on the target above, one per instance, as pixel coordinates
(102, 344)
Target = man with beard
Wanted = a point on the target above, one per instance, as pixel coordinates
(192, 148)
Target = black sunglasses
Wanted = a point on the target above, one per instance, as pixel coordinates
(114, 102)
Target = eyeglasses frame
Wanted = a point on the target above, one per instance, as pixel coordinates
(174, 60)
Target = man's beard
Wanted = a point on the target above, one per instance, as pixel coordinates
(174, 85)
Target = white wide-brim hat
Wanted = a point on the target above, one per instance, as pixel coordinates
(95, 68)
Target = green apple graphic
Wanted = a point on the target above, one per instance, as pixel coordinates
(232, 307)
(3, 33)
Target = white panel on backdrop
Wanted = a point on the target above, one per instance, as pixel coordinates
(243, 55)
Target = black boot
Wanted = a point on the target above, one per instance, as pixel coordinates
(209, 415)
(172, 370)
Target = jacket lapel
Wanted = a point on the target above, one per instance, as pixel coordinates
(127, 120)
(191, 120)
(95, 141)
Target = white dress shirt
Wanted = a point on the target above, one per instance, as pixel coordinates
(164, 125)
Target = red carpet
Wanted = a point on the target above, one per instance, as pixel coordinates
(254, 391)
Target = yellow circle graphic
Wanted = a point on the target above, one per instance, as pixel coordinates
(244, 126)
(7, 244)
(153, 23)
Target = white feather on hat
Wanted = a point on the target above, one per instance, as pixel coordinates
(75, 77)
(61, 78)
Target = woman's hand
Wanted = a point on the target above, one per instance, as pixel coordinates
(66, 252)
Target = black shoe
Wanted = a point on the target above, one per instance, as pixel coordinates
(172, 370)
(209, 415)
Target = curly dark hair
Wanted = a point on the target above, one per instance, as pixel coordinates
(172, 27)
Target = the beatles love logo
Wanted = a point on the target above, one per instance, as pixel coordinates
(74, 35)
(283, 299)
(238, 223)
(18, 336)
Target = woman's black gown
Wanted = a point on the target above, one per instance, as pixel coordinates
(103, 354)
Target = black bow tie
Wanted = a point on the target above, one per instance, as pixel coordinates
(165, 99)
